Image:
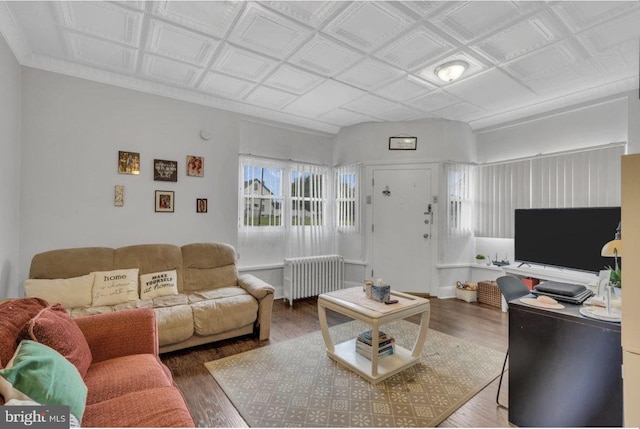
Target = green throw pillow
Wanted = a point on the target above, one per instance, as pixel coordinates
(39, 373)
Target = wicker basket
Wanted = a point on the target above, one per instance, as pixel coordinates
(489, 293)
(467, 295)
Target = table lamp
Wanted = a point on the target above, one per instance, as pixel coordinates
(613, 248)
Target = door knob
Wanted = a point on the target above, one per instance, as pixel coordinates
(425, 235)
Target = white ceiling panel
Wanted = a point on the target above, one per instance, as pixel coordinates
(324, 56)
(101, 19)
(267, 32)
(293, 80)
(179, 44)
(325, 64)
(367, 24)
(370, 74)
(245, 64)
(101, 53)
(415, 48)
(210, 17)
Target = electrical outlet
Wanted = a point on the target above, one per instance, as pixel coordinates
(435, 199)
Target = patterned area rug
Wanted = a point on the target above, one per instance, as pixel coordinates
(295, 383)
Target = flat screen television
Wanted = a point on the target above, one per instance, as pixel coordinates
(567, 238)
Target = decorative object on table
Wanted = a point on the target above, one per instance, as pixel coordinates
(501, 262)
(543, 301)
(195, 166)
(201, 205)
(530, 283)
(364, 347)
(165, 201)
(367, 288)
(480, 259)
(165, 171)
(403, 143)
(118, 196)
(467, 292)
(128, 162)
(380, 292)
(489, 293)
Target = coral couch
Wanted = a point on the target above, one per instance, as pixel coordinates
(116, 378)
(202, 300)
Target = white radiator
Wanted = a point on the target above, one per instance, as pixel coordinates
(311, 276)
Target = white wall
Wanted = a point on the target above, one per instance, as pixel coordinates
(9, 170)
(72, 132)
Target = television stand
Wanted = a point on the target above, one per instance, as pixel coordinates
(523, 263)
(554, 274)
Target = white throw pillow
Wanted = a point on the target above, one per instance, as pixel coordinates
(115, 287)
(153, 285)
(70, 293)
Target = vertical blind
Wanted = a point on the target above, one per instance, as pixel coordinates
(347, 193)
(459, 203)
(588, 178)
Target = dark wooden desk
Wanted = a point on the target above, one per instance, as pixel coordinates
(565, 370)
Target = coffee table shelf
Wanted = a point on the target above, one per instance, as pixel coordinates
(351, 302)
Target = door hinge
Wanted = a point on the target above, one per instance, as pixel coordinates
(371, 273)
(372, 228)
(373, 182)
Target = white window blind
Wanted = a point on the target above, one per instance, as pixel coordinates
(347, 197)
(499, 190)
(459, 203)
(261, 202)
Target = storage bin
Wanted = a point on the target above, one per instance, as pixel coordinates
(467, 295)
(489, 293)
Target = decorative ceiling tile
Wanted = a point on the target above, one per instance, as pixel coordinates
(327, 96)
(344, 118)
(210, 17)
(367, 24)
(415, 49)
(434, 100)
(324, 56)
(270, 98)
(543, 61)
(169, 71)
(245, 64)
(101, 53)
(226, 86)
(405, 89)
(401, 113)
(621, 35)
(467, 21)
(422, 8)
(312, 13)
(475, 66)
(370, 105)
(100, 19)
(525, 36)
(179, 44)
(293, 80)
(578, 15)
(460, 111)
(267, 32)
(370, 74)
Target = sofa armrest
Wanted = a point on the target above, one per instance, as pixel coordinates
(256, 287)
(120, 333)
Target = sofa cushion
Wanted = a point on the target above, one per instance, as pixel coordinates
(39, 373)
(115, 287)
(147, 303)
(223, 314)
(90, 311)
(71, 293)
(151, 408)
(175, 324)
(170, 300)
(151, 258)
(163, 283)
(14, 314)
(67, 263)
(208, 266)
(53, 327)
(116, 377)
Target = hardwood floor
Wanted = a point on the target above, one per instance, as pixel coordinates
(478, 323)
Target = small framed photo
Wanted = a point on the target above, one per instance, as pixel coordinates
(118, 196)
(201, 205)
(165, 171)
(165, 201)
(195, 166)
(128, 162)
(403, 143)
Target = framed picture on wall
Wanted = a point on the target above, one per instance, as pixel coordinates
(403, 143)
(165, 171)
(128, 162)
(201, 205)
(165, 201)
(195, 166)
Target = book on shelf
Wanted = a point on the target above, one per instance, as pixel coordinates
(382, 344)
(386, 351)
(367, 336)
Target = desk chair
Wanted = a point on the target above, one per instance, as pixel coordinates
(511, 288)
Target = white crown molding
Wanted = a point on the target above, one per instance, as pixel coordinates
(13, 35)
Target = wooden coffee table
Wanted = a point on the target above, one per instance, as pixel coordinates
(352, 302)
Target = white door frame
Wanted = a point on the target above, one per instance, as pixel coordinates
(368, 204)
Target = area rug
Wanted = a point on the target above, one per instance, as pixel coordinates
(295, 384)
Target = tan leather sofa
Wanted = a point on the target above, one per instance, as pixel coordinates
(213, 302)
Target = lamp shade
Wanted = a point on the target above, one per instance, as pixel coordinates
(612, 249)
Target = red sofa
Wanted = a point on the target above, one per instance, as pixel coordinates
(127, 384)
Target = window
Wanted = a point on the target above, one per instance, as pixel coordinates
(308, 196)
(262, 198)
(347, 179)
(459, 202)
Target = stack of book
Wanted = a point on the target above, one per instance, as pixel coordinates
(386, 344)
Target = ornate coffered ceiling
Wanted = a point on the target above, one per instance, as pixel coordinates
(327, 64)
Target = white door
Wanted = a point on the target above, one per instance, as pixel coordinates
(401, 231)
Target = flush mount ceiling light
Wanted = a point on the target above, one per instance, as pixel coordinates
(451, 71)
